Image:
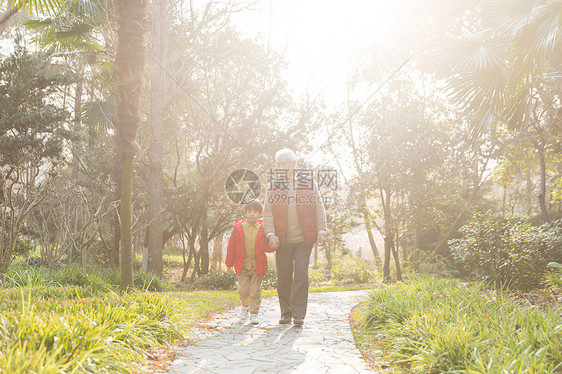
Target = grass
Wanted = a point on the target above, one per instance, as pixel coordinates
(92, 282)
(434, 325)
(77, 323)
(195, 305)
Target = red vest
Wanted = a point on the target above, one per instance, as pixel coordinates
(306, 211)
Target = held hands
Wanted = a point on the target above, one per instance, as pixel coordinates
(229, 269)
(274, 241)
(321, 239)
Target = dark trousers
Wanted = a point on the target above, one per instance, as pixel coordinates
(292, 278)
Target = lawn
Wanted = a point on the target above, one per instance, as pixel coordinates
(435, 325)
(55, 329)
(78, 322)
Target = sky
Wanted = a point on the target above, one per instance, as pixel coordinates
(320, 40)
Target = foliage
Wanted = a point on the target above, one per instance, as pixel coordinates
(215, 281)
(319, 275)
(439, 325)
(30, 124)
(93, 281)
(76, 323)
(553, 278)
(31, 140)
(269, 280)
(352, 269)
(24, 247)
(103, 334)
(507, 252)
(345, 269)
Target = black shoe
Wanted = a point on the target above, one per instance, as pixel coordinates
(298, 321)
(284, 321)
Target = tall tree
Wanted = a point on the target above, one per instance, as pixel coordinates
(158, 78)
(31, 140)
(501, 73)
(129, 64)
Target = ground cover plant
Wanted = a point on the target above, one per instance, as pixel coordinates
(434, 325)
(78, 323)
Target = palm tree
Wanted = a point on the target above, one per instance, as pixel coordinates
(500, 74)
(31, 6)
(130, 60)
(129, 63)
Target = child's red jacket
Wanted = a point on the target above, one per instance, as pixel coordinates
(235, 249)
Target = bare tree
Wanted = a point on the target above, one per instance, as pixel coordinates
(23, 187)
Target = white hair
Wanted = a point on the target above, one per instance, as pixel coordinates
(291, 156)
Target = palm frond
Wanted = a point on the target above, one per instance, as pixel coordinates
(474, 53)
(37, 6)
(99, 114)
(539, 38)
(507, 17)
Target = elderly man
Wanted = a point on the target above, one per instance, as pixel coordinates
(294, 219)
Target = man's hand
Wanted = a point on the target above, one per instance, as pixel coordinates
(321, 239)
(274, 241)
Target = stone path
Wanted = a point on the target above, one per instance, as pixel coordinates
(225, 344)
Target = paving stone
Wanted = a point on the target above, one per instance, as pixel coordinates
(226, 344)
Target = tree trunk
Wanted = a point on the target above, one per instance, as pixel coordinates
(75, 168)
(169, 233)
(129, 64)
(542, 191)
(113, 255)
(417, 239)
(196, 267)
(216, 262)
(77, 126)
(328, 260)
(204, 244)
(529, 193)
(188, 262)
(388, 232)
(160, 26)
(441, 247)
(395, 254)
(372, 242)
(315, 255)
(387, 252)
(126, 258)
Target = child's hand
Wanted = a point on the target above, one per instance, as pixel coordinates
(229, 268)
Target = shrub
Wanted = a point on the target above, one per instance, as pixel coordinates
(507, 252)
(24, 247)
(553, 277)
(19, 275)
(215, 281)
(269, 280)
(352, 269)
(319, 276)
(147, 281)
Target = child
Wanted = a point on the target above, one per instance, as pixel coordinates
(246, 252)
